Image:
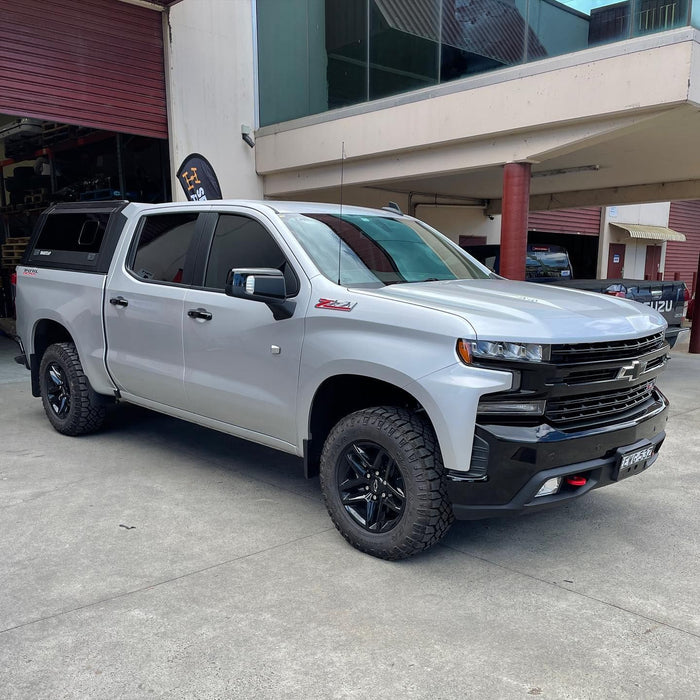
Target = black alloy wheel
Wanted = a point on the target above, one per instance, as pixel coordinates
(371, 486)
(382, 480)
(70, 403)
(57, 390)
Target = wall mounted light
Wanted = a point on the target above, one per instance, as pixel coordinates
(246, 135)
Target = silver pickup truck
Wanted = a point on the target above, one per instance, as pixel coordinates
(417, 383)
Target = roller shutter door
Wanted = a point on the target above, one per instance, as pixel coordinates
(585, 220)
(96, 63)
(683, 257)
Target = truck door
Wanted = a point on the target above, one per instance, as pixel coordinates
(242, 365)
(144, 309)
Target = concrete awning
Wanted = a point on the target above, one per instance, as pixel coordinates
(654, 233)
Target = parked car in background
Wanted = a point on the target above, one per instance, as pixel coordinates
(544, 262)
(551, 264)
(668, 297)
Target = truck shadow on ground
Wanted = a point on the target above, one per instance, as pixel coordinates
(209, 448)
(542, 534)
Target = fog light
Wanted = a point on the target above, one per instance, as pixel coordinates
(533, 408)
(549, 487)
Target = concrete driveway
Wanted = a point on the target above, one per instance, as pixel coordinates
(159, 559)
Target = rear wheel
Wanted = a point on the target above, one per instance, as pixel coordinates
(382, 480)
(71, 405)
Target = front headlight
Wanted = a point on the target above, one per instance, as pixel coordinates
(501, 350)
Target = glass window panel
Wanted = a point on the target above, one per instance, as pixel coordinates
(316, 55)
(292, 79)
(481, 35)
(404, 46)
(75, 233)
(615, 21)
(609, 23)
(554, 28)
(658, 15)
(162, 247)
(346, 46)
(243, 242)
(695, 14)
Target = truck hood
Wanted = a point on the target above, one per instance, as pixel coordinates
(507, 310)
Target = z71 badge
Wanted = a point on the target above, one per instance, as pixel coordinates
(335, 305)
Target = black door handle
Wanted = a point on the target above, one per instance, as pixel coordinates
(119, 301)
(200, 313)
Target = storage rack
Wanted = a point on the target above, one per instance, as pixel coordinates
(12, 250)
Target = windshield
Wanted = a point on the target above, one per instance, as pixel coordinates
(367, 250)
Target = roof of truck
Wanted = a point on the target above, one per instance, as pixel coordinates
(319, 207)
(280, 206)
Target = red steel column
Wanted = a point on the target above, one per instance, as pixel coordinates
(694, 346)
(516, 205)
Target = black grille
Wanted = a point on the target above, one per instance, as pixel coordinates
(576, 353)
(576, 409)
(595, 374)
(589, 374)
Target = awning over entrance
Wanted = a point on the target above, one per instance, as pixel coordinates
(654, 233)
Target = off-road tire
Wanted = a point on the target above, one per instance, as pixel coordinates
(71, 405)
(407, 439)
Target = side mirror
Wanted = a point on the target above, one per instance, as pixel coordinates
(257, 283)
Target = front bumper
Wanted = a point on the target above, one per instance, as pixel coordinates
(521, 459)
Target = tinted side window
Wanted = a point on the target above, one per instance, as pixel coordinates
(74, 233)
(162, 246)
(243, 242)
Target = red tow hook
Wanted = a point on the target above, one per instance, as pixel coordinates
(576, 480)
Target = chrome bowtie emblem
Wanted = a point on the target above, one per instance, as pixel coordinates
(632, 371)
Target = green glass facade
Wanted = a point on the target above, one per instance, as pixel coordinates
(317, 55)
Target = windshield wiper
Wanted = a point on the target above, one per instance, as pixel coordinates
(429, 279)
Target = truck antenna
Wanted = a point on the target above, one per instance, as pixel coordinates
(340, 216)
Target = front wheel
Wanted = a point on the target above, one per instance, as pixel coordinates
(71, 405)
(382, 481)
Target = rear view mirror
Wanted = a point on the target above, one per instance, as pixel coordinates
(256, 283)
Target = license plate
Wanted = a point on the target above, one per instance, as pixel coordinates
(634, 462)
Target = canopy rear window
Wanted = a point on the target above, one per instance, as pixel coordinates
(77, 233)
(78, 236)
